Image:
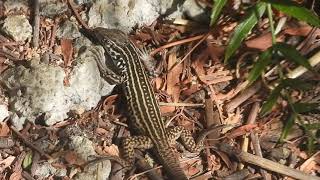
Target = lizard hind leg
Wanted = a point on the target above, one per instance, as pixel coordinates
(187, 140)
(134, 142)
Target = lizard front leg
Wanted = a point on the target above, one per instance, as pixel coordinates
(108, 70)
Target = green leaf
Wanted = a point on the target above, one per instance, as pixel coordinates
(292, 54)
(310, 144)
(244, 28)
(263, 61)
(272, 99)
(27, 161)
(296, 84)
(304, 107)
(295, 10)
(312, 126)
(216, 10)
(288, 126)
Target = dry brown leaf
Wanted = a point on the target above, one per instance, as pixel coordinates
(101, 131)
(215, 52)
(6, 163)
(298, 31)
(72, 158)
(192, 170)
(4, 129)
(67, 50)
(3, 66)
(158, 83)
(143, 36)
(112, 150)
(59, 165)
(109, 102)
(173, 77)
(191, 90)
(311, 164)
(16, 175)
(199, 63)
(167, 109)
(263, 42)
(242, 130)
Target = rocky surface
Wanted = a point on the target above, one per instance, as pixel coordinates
(40, 89)
(17, 27)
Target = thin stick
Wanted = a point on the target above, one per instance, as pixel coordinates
(180, 104)
(266, 163)
(36, 24)
(75, 12)
(187, 55)
(183, 41)
(42, 153)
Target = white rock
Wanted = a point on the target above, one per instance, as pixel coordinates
(18, 27)
(40, 90)
(3, 112)
(123, 14)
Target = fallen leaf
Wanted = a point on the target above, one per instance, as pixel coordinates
(173, 77)
(167, 109)
(298, 31)
(72, 158)
(101, 131)
(111, 150)
(6, 163)
(4, 129)
(263, 42)
(67, 50)
(16, 175)
(242, 130)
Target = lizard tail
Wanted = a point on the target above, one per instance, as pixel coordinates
(170, 162)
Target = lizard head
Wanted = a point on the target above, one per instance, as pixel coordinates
(111, 37)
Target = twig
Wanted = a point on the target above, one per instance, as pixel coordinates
(180, 104)
(247, 93)
(314, 60)
(36, 24)
(75, 12)
(257, 149)
(212, 119)
(175, 44)
(251, 120)
(42, 153)
(53, 34)
(27, 176)
(11, 43)
(151, 173)
(191, 50)
(266, 163)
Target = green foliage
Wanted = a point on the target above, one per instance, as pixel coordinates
(295, 10)
(296, 84)
(27, 161)
(244, 28)
(305, 107)
(276, 92)
(295, 109)
(242, 31)
(288, 126)
(292, 54)
(263, 61)
(313, 126)
(216, 10)
(272, 99)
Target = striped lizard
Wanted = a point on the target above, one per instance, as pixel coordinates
(126, 68)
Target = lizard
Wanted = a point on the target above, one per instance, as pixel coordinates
(126, 69)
